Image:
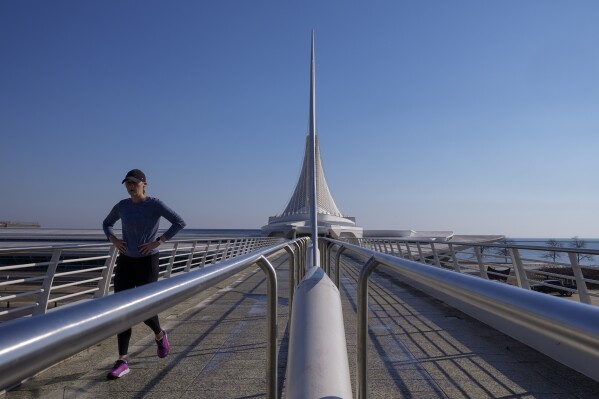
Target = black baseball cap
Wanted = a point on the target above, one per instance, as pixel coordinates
(135, 175)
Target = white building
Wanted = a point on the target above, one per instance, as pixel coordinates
(295, 219)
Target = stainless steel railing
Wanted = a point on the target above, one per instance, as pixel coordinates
(550, 269)
(565, 330)
(36, 279)
(29, 345)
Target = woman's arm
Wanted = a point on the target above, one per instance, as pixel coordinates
(108, 225)
(177, 223)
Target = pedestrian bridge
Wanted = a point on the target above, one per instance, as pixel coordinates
(257, 317)
(420, 318)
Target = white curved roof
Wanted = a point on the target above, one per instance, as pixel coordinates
(300, 200)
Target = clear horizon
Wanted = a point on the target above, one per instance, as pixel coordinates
(478, 118)
(99, 230)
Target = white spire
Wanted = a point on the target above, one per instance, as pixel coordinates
(313, 189)
(311, 207)
(304, 195)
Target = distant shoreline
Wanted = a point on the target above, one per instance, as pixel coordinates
(19, 225)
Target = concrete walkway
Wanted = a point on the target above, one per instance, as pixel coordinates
(419, 348)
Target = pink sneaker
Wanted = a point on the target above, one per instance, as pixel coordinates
(163, 346)
(120, 368)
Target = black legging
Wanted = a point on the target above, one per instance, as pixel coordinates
(130, 273)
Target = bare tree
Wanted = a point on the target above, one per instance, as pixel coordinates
(482, 249)
(553, 255)
(579, 243)
(505, 251)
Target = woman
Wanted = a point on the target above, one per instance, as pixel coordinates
(137, 263)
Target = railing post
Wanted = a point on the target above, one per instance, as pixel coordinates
(169, 268)
(521, 277)
(399, 251)
(271, 316)
(234, 247)
(226, 250)
(298, 263)
(410, 256)
(481, 265)
(190, 259)
(421, 260)
(216, 253)
(362, 344)
(231, 252)
(302, 270)
(456, 265)
(240, 247)
(291, 284)
(435, 255)
(245, 246)
(329, 246)
(104, 283)
(322, 254)
(302, 255)
(205, 254)
(44, 296)
(581, 285)
(301, 252)
(324, 263)
(338, 266)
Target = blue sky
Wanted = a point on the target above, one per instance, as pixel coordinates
(479, 117)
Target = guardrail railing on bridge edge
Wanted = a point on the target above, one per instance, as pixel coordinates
(32, 344)
(527, 266)
(564, 330)
(32, 279)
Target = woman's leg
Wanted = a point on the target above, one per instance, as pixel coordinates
(148, 273)
(124, 279)
(123, 343)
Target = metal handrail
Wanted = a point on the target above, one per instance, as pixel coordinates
(359, 241)
(564, 330)
(29, 345)
(177, 252)
(40, 248)
(475, 258)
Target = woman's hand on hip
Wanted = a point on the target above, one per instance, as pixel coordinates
(119, 244)
(147, 248)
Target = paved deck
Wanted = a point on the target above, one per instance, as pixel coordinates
(419, 348)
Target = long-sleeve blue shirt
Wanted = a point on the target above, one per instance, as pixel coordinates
(140, 222)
